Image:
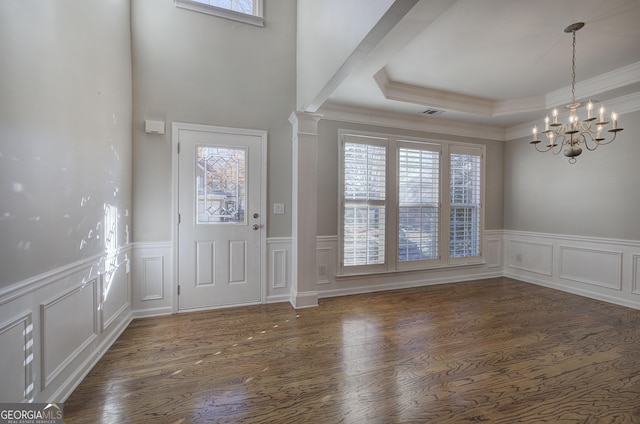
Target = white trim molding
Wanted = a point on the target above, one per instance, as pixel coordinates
(278, 269)
(595, 267)
(635, 275)
(591, 266)
(368, 116)
(16, 341)
(54, 327)
(152, 287)
(329, 284)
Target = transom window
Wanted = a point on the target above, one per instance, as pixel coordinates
(248, 11)
(403, 207)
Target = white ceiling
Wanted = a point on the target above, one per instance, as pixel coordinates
(497, 62)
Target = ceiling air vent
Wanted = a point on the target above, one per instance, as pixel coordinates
(433, 112)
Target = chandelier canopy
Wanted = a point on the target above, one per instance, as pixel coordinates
(569, 136)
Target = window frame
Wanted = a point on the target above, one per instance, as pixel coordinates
(392, 263)
(423, 146)
(380, 142)
(256, 19)
(473, 151)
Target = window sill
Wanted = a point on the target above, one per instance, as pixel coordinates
(346, 277)
(220, 12)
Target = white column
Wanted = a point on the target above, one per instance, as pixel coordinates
(304, 211)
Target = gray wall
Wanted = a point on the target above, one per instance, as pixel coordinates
(328, 164)
(195, 68)
(65, 131)
(598, 196)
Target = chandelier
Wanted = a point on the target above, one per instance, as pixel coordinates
(568, 137)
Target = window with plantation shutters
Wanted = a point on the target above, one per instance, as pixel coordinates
(465, 209)
(408, 204)
(418, 203)
(364, 201)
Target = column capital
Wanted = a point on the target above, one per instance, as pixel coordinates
(304, 122)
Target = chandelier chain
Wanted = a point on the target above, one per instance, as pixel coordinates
(573, 71)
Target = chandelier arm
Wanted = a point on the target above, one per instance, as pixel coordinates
(542, 150)
(560, 142)
(586, 141)
(600, 143)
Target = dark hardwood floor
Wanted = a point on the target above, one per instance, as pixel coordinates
(494, 351)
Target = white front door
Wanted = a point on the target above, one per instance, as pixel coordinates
(219, 205)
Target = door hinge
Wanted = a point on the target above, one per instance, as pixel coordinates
(178, 290)
(178, 148)
(179, 218)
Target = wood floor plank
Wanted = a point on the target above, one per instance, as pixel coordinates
(495, 351)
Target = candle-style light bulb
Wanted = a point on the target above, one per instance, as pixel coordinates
(614, 120)
(589, 109)
(555, 116)
(546, 123)
(602, 114)
(535, 133)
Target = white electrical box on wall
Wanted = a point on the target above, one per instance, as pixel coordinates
(154, 127)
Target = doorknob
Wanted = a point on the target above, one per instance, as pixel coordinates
(255, 215)
(256, 227)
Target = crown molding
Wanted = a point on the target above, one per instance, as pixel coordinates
(617, 78)
(360, 115)
(511, 106)
(439, 99)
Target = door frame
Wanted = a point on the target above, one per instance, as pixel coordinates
(176, 127)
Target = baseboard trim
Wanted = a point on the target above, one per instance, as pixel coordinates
(304, 300)
(154, 312)
(406, 285)
(574, 290)
(278, 298)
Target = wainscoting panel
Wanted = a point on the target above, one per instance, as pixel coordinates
(329, 284)
(115, 295)
(600, 268)
(530, 256)
(278, 269)
(152, 279)
(152, 283)
(493, 249)
(327, 259)
(635, 273)
(16, 351)
(590, 266)
(64, 336)
(55, 326)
